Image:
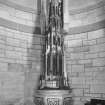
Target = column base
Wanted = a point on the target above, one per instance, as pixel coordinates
(53, 97)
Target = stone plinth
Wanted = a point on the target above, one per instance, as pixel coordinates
(53, 97)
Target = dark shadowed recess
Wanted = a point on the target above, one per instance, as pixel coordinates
(35, 64)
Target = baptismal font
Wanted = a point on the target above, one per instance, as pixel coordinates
(53, 87)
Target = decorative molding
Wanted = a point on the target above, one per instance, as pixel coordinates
(86, 28)
(19, 27)
(87, 9)
(67, 101)
(52, 101)
(36, 30)
(38, 101)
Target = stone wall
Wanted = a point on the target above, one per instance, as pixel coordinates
(21, 46)
(85, 57)
(20, 54)
(85, 54)
(85, 16)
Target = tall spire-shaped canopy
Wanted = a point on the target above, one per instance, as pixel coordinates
(53, 50)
